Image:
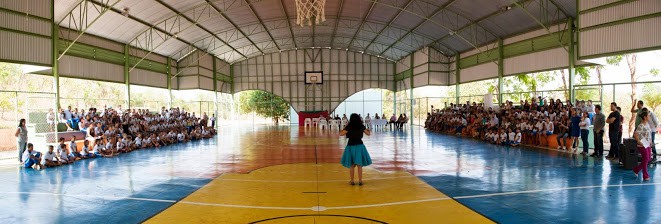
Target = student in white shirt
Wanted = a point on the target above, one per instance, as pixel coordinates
(510, 136)
(61, 152)
(138, 142)
(517, 138)
(49, 159)
(503, 137)
(181, 137)
(98, 148)
(31, 158)
(85, 151)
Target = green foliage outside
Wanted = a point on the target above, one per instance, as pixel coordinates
(264, 104)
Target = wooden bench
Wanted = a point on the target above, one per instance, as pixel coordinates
(552, 142)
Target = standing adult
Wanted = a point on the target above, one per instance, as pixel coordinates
(575, 128)
(614, 122)
(653, 123)
(585, 131)
(598, 125)
(213, 120)
(21, 139)
(644, 143)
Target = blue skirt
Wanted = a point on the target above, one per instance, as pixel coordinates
(355, 155)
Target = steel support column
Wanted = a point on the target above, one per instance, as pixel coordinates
(572, 60)
(169, 76)
(500, 71)
(411, 100)
(55, 69)
(127, 77)
(457, 75)
(394, 85)
(215, 91)
(54, 55)
(232, 91)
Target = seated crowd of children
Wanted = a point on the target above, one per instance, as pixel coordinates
(512, 125)
(112, 132)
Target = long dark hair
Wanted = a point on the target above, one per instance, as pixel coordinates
(355, 123)
(21, 123)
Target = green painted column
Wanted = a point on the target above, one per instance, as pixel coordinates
(572, 60)
(215, 91)
(232, 91)
(127, 80)
(501, 71)
(457, 74)
(394, 89)
(169, 77)
(411, 100)
(56, 76)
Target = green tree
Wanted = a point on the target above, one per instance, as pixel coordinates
(264, 104)
(651, 96)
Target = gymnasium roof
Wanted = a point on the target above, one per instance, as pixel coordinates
(234, 30)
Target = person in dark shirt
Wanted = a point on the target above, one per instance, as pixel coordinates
(614, 122)
(355, 154)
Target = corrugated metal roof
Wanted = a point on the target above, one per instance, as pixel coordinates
(236, 29)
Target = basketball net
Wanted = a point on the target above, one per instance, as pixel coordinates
(306, 9)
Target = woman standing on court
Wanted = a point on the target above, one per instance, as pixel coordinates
(644, 142)
(355, 154)
(575, 128)
(21, 138)
(585, 131)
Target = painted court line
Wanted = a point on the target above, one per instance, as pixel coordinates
(311, 181)
(329, 208)
(552, 189)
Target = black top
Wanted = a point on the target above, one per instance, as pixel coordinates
(615, 126)
(355, 135)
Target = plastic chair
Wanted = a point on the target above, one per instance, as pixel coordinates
(334, 124)
(308, 122)
(344, 123)
(322, 124)
(368, 123)
(315, 122)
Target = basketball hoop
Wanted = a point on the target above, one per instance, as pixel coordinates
(306, 9)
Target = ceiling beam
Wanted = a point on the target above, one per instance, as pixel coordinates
(145, 23)
(291, 31)
(337, 22)
(438, 10)
(310, 36)
(399, 12)
(222, 14)
(362, 23)
(261, 22)
(196, 24)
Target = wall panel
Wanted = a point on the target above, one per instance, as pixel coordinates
(632, 36)
(89, 69)
(628, 26)
(479, 72)
(206, 83)
(544, 60)
(188, 82)
(18, 47)
(148, 78)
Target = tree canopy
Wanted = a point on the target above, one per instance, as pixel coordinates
(264, 104)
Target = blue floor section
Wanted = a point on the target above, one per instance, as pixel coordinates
(508, 185)
(128, 188)
(524, 185)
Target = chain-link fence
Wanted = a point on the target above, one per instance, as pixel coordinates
(32, 106)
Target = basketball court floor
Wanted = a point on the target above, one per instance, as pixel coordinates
(292, 175)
